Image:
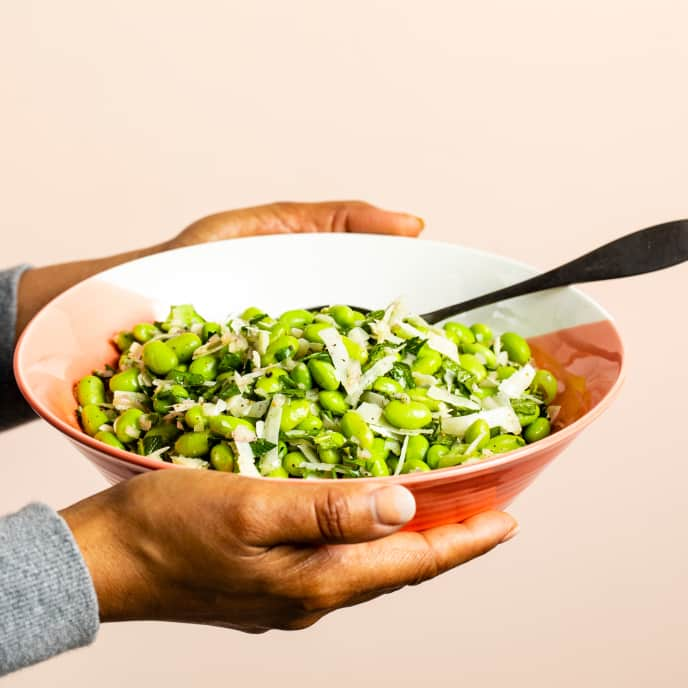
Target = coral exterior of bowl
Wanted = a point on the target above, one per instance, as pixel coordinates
(69, 338)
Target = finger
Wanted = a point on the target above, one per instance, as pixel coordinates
(270, 513)
(361, 572)
(358, 217)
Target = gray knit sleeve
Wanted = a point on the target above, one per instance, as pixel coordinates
(47, 601)
(13, 407)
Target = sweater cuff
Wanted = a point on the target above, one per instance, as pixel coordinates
(14, 408)
(47, 600)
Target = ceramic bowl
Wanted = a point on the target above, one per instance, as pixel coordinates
(568, 332)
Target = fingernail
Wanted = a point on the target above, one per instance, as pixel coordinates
(418, 221)
(512, 533)
(394, 505)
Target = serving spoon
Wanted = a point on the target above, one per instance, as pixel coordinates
(646, 250)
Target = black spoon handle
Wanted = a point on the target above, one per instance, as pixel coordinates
(646, 250)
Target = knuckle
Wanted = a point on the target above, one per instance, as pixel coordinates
(339, 219)
(245, 521)
(322, 599)
(333, 515)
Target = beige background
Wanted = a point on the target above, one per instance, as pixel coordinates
(535, 129)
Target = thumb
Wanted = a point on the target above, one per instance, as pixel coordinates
(316, 514)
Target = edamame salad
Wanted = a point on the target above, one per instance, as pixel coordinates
(328, 394)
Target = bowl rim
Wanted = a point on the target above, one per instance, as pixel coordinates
(488, 465)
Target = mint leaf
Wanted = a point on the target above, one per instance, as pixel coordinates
(402, 374)
(412, 346)
(152, 443)
(261, 447)
(229, 361)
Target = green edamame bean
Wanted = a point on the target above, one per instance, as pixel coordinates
(481, 351)
(252, 312)
(278, 472)
(538, 429)
(355, 350)
(270, 383)
(516, 348)
(478, 429)
(425, 350)
(167, 432)
(159, 357)
(161, 406)
(452, 458)
(292, 463)
(427, 363)
(435, 453)
(205, 366)
(126, 381)
(90, 390)
(378, 468)
(330, 439)
(109, 438)
(409, 416)
(163, 402)
(92, 417)
(334, 402)
(387, 386)
(127, 426)
(302, 376)
(195, 418)
(344, 316)
(296, 318)
(224, 425)
(222, 458)
(526, 411)
(331, 456)
(123, 340)
(485, 392)
(312, 332)
(459, 333)
(183, 315)
(192, 444)
(400, 331)
(278, 330)
(379, 449)
(359, 318)
(209, 329)
(483, 333)
(420, 394)
(353, 426)
(144, 331)
(324, 374)
(414, 466)
(470, 363)
(310, 424)
(417, 448)
(184, 345)
(504, 443)
(545, 385)
(504, 372)
(281, 348)
(293, 413)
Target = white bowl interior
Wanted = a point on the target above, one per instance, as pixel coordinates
(296, 271)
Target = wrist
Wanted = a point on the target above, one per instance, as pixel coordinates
(96, 524)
